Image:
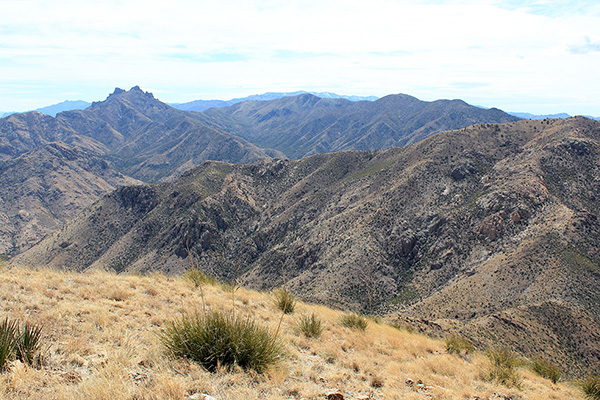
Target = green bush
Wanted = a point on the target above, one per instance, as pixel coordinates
(21, 344)
(591, 387)
(458, 345)
(216, 339)
(354, 321)
(311, 326)
(546, 369)
(197, 277)
(503, 366)
(284, 300)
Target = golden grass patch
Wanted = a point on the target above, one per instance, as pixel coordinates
(100, 336)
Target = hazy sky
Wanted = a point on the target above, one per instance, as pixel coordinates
(535, 56)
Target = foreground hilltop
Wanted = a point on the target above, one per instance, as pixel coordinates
(100, 341)
(491, 229)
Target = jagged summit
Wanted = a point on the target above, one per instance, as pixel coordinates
(132, 95)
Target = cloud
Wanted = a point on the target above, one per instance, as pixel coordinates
(585, 47)
(223, 49)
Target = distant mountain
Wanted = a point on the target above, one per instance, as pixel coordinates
(202, 105)
(46, 187)
(306, 124)
(54, 109)
(525, 115)
(67, 105)
(491, 230)
(143, 137)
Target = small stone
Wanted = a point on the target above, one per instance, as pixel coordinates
(409, 382)
(334, 395)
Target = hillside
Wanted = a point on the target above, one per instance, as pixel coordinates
(100, 341)
(306, 124)
(491, 229)
(46, 187)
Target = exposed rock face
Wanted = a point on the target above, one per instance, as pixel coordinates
(499, 253)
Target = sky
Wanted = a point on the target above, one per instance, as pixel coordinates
(532, 56)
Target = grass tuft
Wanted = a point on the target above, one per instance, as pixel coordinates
(284, 300)
(503, 366)
(456, 344)
(546, 369)
(591, 387)
(216, 339)
(354, 321)
(310, 326)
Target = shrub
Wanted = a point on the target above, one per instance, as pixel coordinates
(216, 339)
(458, 345)
(402, 326)
(22, 344)
(503, 366)
(354, 321)
(197, 277)
(284, 300)
(546, 369)
(591, 387)
(311, 326)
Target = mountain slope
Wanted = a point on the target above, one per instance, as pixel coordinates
(304, 125)
(42, 189)
(492, 227)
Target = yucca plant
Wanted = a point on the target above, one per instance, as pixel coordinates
(8, 332)
(197, 277)
(354, 321)
(310, 326)
(284, 300)
(456, 344)
(21, 344)
(216, 339)
(503, 366)
(546, 369)
(28, 343)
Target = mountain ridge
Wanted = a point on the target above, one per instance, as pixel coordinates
(306, 124)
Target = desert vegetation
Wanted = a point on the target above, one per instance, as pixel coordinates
(110, 336)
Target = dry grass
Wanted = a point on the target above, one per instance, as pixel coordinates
(100, 331)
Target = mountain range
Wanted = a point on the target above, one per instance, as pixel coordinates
(490, 230)
(448, 216)
(303, 125)
(140, 137)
